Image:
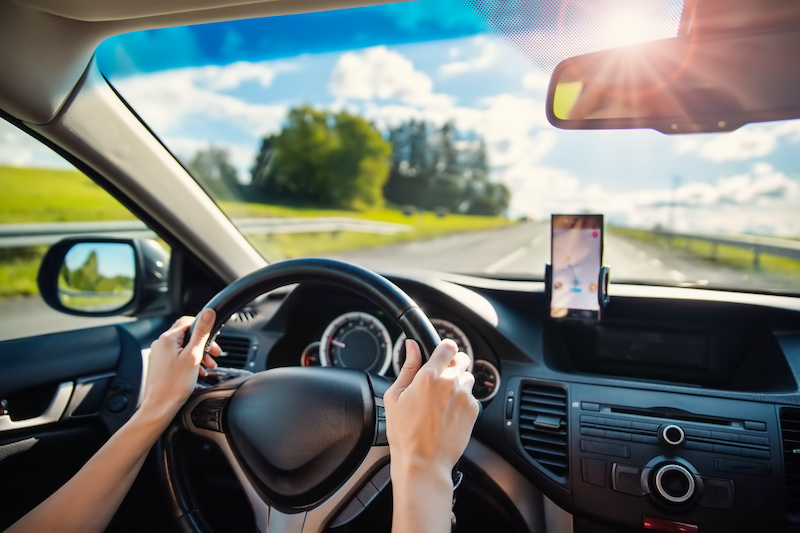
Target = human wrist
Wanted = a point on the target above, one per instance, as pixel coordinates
(413, 471)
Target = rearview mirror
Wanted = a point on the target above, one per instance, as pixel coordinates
(680, 85)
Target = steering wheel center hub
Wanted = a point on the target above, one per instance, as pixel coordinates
(301, 432)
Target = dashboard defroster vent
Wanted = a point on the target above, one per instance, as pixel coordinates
(790, 432)
(543, 426)
(235, 350)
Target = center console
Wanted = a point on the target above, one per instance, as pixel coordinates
(710, 465)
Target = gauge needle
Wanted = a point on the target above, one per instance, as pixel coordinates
(488, 383)
(338, 344)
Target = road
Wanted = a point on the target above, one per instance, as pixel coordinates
(519, 250)
(524, 249)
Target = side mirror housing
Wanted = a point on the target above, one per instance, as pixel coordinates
(105, 277)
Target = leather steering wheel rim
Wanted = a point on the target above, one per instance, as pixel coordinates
(380, 291)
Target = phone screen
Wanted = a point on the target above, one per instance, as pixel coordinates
(576, 255)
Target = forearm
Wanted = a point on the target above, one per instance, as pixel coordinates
(89, 500)
(423, 499)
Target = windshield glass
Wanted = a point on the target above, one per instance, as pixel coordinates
(414, 135)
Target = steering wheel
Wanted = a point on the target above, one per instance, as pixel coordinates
(304, 442)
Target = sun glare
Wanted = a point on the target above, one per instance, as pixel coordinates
(625, 27)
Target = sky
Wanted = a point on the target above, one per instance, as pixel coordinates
(230, 84)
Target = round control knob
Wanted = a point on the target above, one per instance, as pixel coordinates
(672, 435)
(674, 483)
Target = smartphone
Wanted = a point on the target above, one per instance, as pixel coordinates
(576, 255)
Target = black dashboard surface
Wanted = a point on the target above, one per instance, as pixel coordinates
(676, 406)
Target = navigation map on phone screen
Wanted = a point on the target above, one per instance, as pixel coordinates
(576, 258)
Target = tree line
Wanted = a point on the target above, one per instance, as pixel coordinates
(340, 160)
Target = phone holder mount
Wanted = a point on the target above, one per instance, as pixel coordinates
(603, 297)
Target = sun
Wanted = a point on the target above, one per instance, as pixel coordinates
(624, 27)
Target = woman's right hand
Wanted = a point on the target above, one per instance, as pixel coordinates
(430, 410)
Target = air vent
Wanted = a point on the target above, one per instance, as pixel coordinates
(790, 431)
(234, 349)
(244, 315)
(543, 426)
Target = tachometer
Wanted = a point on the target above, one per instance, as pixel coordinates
(356, 340)
(446, 330)
(310, 356)
(487, 380)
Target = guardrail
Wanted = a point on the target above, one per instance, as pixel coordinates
(757, 245)
(26, 235)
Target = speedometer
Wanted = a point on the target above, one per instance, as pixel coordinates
(446, 330)
(356, 340)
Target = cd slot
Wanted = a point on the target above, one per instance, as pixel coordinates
(672, 414)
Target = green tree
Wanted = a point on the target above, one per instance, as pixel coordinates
(212, 169)
(331, 159)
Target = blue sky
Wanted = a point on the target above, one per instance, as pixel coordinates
(437, 60)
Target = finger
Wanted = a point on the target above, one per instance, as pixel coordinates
(411, 366)
(441, 356)
(461, 361)
(214, 349)
(467, 381)
(209, 361)
(201, 333)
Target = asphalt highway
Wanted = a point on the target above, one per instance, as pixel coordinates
(521, 250)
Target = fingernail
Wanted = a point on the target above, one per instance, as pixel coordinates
(205, 316)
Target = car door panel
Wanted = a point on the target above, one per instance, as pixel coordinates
(63, 395)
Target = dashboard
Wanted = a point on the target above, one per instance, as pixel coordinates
(679, 409)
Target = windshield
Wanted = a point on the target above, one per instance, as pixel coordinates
(414, 135)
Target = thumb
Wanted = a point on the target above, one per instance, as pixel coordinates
(411, 366)
(200, 333)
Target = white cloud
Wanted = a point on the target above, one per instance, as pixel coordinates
(537, 81)
(750, 142)
(176, 99)
(487, 53)
(381, 74)
(18, 149)
(221, 78)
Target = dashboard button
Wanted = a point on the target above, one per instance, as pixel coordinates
(757, 454)
(589, 406)
(755, 426)
(717, 493)
(646, 426)
(593, 471)
(591, 419)
(722, 435)
(646, 439)
(509, 408)
(741, 467)
(747, 439)
(694, 432)
(730, 450)
(604, 448)
(618, 423)
(694, 445)
(619, 435)
(627, 479)
(593, 432)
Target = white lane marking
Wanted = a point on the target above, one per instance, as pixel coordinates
(677, 276)
(503, 261)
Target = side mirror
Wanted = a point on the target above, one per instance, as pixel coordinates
(105, 277)
(685, 84)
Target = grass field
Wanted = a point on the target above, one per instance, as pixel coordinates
(730, 256)
(43, 195)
